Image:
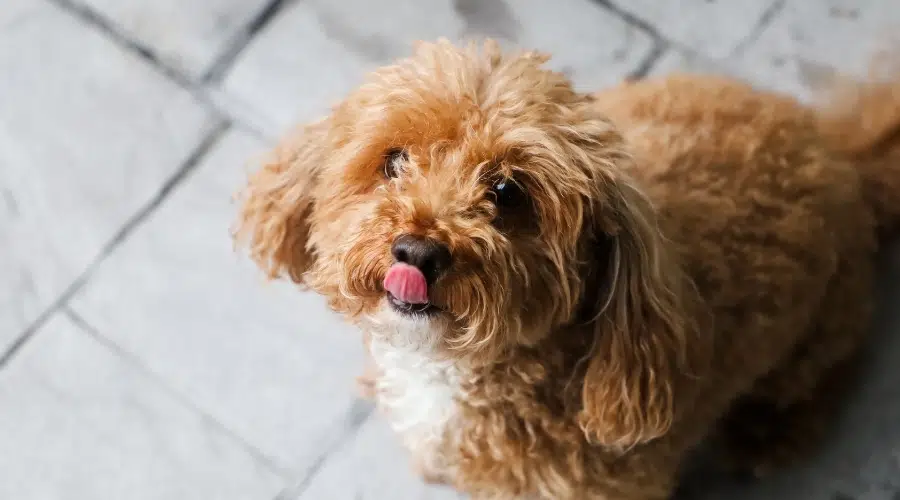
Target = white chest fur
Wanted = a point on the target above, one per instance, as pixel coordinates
(418, 394)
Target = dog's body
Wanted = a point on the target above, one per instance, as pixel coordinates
(695, 260)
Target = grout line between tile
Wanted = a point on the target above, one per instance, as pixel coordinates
(212, 137)
(660, 47)
(94, 20)
(356, 416)
(225, 60)
(762, 23)
(633, 20)
(664, 44)
(139, 365)
(91, 18)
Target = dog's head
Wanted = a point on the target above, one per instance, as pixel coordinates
(468, 202)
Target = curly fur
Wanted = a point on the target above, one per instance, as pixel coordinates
(694, 259)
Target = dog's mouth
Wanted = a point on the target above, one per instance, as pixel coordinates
(409, 309)
(408, 291)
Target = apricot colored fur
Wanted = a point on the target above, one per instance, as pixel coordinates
(695, 260)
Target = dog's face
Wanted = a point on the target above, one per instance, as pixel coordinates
(466, 202)
(481, 171)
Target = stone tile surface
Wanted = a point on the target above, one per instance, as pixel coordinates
(187, 35)
(198, 379)
(810, 41)
(269, 362)
(714, 27)
(317, 51)
(381, 469)
(679, 60)
(81, 422)
(88, 134)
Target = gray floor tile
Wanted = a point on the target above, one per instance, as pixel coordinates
(198, 378)
(677, 60)
(186, 35)
(88, 134)
(809, 41)
(382, 470)
(268, 361)
(711, 27)
(81, 423)
(316, 52)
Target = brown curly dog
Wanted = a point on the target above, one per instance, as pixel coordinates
(564, 293)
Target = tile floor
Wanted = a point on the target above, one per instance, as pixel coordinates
(141, 358)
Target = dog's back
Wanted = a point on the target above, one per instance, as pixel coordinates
(861, 120)
(774, 206)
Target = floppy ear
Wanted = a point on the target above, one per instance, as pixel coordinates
(644, 326)
(278, 200)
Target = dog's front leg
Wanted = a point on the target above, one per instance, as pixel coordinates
(366, 381)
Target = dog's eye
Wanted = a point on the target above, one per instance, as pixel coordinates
(507, 193)
(393, 160)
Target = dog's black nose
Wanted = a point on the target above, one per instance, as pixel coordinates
(428, 255)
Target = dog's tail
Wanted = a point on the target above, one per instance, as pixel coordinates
(861, 121)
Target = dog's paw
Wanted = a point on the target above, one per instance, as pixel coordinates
(365, 386)
(428, 473)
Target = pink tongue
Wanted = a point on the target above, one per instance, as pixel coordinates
(406, 283)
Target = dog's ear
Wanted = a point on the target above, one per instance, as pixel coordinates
(278, 201)
(641, 309)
